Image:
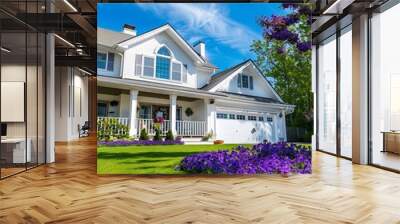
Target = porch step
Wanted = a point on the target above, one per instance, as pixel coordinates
(196, 141)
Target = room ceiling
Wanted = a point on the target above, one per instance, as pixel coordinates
(74, 22)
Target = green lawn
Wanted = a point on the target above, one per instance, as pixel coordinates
(160, 159)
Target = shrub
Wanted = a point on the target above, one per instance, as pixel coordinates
(143, 135)
(140, 142)
(157, 136)
(169, 136)
(110, 129)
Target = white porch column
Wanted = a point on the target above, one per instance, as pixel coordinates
(132, 112)
(284, 134)
(210, 115)
(172, 113)
(274, 126)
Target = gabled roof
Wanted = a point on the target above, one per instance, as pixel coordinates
(167, 27)
(109, 38)
(221, 76)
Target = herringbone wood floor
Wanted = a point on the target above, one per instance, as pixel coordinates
(69, 191)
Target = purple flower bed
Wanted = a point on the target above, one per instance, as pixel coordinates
(140, 142)
(280, 158)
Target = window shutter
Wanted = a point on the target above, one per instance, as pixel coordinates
(138, 64)
(184, 73)
(239, 81)
(251, 82)
(110, 62)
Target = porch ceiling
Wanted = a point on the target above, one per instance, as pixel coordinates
(116, 92)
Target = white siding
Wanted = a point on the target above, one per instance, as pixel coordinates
(149, 48)
(260, 88)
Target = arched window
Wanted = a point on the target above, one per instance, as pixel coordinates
(163, 63)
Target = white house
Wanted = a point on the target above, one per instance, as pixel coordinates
(158, 72)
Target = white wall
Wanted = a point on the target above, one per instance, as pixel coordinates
(71, 103)
(149, 47)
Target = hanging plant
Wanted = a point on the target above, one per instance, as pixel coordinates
(189, 112)
(114, 103)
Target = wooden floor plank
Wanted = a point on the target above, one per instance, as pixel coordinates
(70, 191)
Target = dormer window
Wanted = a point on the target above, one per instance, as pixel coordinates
(245, 81)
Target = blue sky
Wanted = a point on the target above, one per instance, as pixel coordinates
(227, 29)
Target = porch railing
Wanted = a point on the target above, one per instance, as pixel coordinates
(191, 128)
(183, 128)
(148, 124)
(121, 120)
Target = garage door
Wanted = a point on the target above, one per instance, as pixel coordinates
(237, 128)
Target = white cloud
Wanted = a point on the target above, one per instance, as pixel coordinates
(202, 21)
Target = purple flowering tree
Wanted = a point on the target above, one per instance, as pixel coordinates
(284, 55)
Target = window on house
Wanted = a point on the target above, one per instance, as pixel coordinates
(231, 116)
(101, 60)
(222, 115)
(260, 118)
(245, 81)
(145, 112)
(240, 117)
(252, 118)
(110, 62)
(163, 63)
(148, 66)
(270, 119)
(176, 72)
(164, 52)
(102, 109)
(138, 64)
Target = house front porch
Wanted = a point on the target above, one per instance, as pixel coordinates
(184, 116)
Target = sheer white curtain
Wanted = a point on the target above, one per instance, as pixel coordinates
(327, 95)
(346, 92)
